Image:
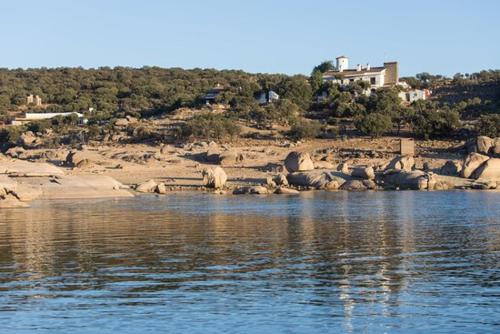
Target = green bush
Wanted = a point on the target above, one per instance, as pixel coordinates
(432, 123)
(489, 125)
(305, 130)
(373, 124)
(209, 127)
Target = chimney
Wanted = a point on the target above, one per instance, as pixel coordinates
(368, 67)
(358, 68)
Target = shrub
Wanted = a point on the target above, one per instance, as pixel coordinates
(305, 130)
(430, 123)
(210, 127)
(489, 125)
(373, 124)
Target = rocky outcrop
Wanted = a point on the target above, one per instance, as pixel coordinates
(286, 191)
(214, 178)
(399, 179)
(366, 173)
(316, 179)
(149, 186)
(276, 181)
(298, 162)
(29, 140)
(496, 147)
(251, 190)
(489, 170)
(471, 163)
(451, 168)
(344, 168)
(405, 163)
(354, 185)
(484, 144)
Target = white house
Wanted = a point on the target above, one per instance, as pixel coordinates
(30, 117)
(377, 77)
(268, 97)
(413, 95)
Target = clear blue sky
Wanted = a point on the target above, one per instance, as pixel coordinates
(286, 36)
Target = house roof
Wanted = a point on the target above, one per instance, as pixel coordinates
(354, 72)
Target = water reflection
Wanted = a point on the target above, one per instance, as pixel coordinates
(389, 261)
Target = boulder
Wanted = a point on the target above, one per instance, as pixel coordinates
(471, 163)
(354, 185)
(496, 147)
(277, 180)
(252, 190)
(399, 179)
(404, 162)
(366, 173)
(315, 179)
(286, 191)
(484, 144)
(344, 168)
(149, 186)
(298, 162)
(161, 188)
(489, 170)
(16, 152)
(29, 140)
(230, 158)
(77, 159)
(451, 168)
(214, 178)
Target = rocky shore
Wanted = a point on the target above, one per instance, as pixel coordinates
(287, 168)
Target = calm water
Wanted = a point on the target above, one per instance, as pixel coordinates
(395, 262)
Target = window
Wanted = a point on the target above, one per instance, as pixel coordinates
(373, 80)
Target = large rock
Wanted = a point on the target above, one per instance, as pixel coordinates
(489, 170)
(77, 159)
(298, 162)
(229, 158)
(149, 186)
(472, 162)
(366, 173)
(16, 152)
(344, 168)
(323, 165)
(404, 162)
(252, 190)
(214, 178)
(398, 179)
(451, 168)
(286, 191)
(484, 144)
(315, 179)
(496, 147)
(29, 140)
(354, 185)
(212, 155)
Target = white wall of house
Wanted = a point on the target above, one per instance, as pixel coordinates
(379, 79)
(36, 116)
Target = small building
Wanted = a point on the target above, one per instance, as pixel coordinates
(30, 117)
(377, 77)
(413, 95)
(268, 97)
(212, 94)
(407, 147)
(36, 100)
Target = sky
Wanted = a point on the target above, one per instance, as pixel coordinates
(273, 36)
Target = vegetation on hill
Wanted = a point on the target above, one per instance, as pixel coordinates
(117, 92)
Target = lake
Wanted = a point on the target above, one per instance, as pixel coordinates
(321, 262)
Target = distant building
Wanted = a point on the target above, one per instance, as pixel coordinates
(268, 97)
(377, 77)
(212, 94)
(30, 117)
(413, 95)
(36, 100)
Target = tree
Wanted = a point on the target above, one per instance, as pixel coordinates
(374, 124)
